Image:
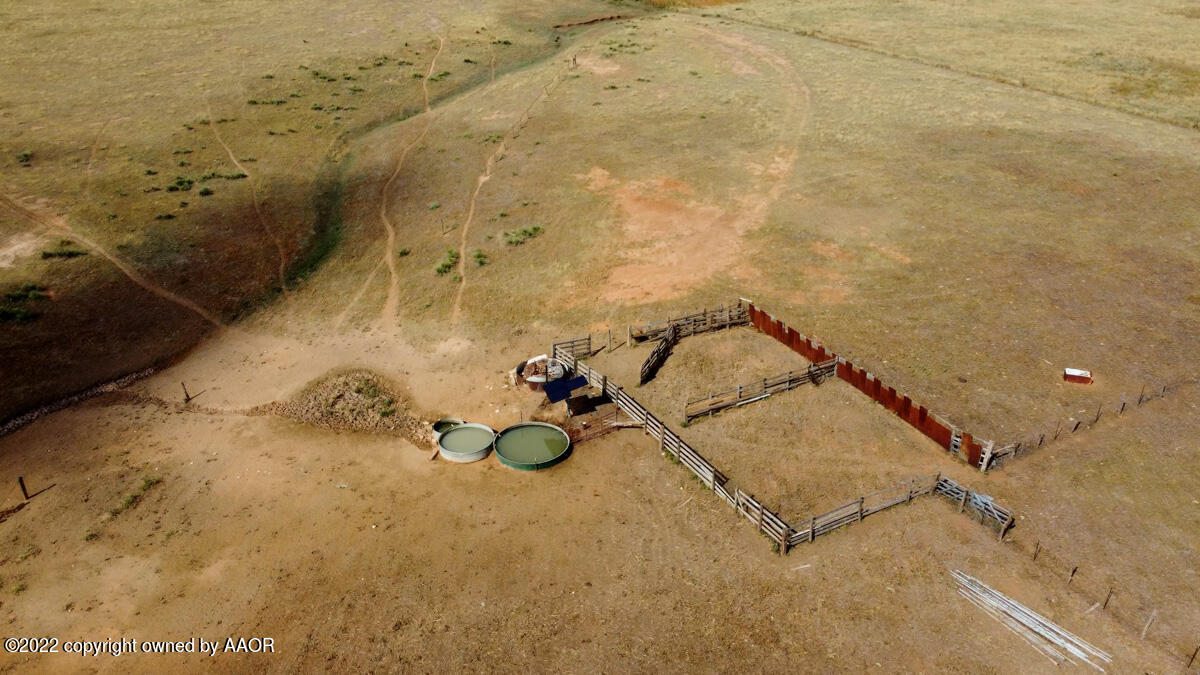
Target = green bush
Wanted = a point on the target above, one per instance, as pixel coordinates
(518, 237)
(447, 263)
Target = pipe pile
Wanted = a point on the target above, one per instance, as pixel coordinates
(1055, 643)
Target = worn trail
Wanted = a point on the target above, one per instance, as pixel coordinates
(258, 210)
(56, 224)
(391, 304)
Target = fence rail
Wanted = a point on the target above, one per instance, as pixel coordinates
(597, 426)
(701, 322)
(658, 356)
(579, 347)
(768, 522)
(756, 391)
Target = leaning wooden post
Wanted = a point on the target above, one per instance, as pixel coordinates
(1194, 655)
(629, 336)
(1037, 549)
(1072, 577)
(1004, 528)
(24, 492)
(1107, 598)
(1099, 409)
(1142, 396)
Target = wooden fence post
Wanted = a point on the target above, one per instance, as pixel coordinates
(1142, 396)
(24, 492)
(1193, 659)
(1072, 577)
(812, 529)
(860, 508)
(1004, 528)
(1099, 410)
(761, 508)
(1037, 549)
(1107, 598)
(962, 501)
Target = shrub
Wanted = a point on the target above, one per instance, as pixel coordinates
(27, 292)
(481, 258)
(206, 192)
(16, 315)
(403, 252)
(518, 237)
(447, 263)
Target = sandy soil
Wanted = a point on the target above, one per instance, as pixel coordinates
(961, 237)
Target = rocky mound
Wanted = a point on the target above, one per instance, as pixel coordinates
(356, 400)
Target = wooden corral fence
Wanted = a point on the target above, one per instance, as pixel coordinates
(756, 391)
(990, 513)
(596, 427)
(961, 444)
(580, 347)
(659, 354)
(705, 321)
(768, 522)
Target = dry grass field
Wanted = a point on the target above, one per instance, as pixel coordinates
(260, 198)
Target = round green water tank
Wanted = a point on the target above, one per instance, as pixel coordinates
(530, 446)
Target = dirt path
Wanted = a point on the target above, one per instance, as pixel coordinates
(258, 210)
(488, 165)
(57, 224)
(341, 318)
(387, 315)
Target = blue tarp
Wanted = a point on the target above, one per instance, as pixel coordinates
(559, 390)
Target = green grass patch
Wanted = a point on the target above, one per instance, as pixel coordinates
(26, 293)
(518, 237)
(447, 263)
(480, 257)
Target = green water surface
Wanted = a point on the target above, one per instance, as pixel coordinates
(531, 444)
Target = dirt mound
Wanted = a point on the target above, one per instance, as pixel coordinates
(356, 400)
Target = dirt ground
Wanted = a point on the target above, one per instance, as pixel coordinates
(959, 236)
